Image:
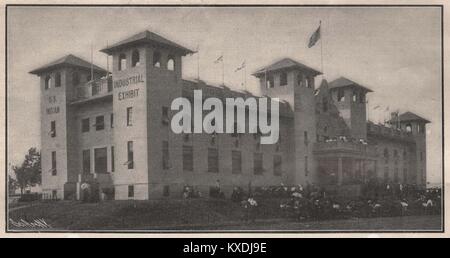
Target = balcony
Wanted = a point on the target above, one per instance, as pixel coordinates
(96, 89)
(388, 132)
(344, 147)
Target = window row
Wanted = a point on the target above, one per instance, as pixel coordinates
(213, 160)
(99, 123)
(358, 96)
(136, 60)
(100, 120)
(396, 178)
(76, 80)
(301, 80)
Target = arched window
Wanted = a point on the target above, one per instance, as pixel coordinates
(310, 83)
(157, 59)
(75, 78)
(122, 62)
(355, 96)
(135, 61)
(270, 81)
(58, 79)
(325, 104)
(408, 128)
(283, 79)
(171, 63)
(48, 81)
(362, 97)
(299, 79)
(340, 95)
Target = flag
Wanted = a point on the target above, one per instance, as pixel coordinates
(240, 67)
(314, 38)
(219, 59)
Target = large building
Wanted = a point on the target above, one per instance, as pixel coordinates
(112, 129)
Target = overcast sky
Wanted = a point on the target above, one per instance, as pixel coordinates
(393, 51)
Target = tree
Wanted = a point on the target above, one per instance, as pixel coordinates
(29, 173)
(12, 184)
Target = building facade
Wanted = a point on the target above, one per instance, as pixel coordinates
(112, 129)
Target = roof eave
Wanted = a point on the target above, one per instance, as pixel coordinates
(42, 70)
(112, 49)
(260, 73)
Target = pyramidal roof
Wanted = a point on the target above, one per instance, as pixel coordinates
(69, 60)
(146, 37)
(409, 116)
(344, 82)
(286, 63)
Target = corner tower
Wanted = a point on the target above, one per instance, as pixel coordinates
(350, 99)
(59, 81)
(293, 82)
(416, 126)
(147, 73)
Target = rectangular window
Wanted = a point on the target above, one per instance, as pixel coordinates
(85, 125)
(130, 191)
(277, 165)
(130, 161)
(112, 159)
(166, 191)
(165, 155)
(236, 162)
(213, 160)
(129, 116)
(54, 172)
(111, 120)
(405, 175)
(86, 161)
(101, 160)
(306, 166)
(188, 158)
(99, 123)
(165, 115)
(386, 174)
(305, 137)
(257, 163)
(53, 129)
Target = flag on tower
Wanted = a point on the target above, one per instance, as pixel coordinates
(219, 59)
(314, 38)
(240, 67)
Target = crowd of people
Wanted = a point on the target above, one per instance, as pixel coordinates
(310, 202)
(375, 200)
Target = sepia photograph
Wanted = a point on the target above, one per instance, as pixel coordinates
(224, 119)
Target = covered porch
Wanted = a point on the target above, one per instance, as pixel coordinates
(345, 163)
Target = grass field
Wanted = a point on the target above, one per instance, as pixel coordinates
(194, 214)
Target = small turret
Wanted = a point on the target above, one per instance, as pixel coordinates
(350, 99)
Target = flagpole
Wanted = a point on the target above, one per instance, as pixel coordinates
(223, 70)
(245, 77)
(198, 62)
(92, 65)
(107, 62)
(321, 49)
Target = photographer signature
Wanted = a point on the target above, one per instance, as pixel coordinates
(37, 223)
